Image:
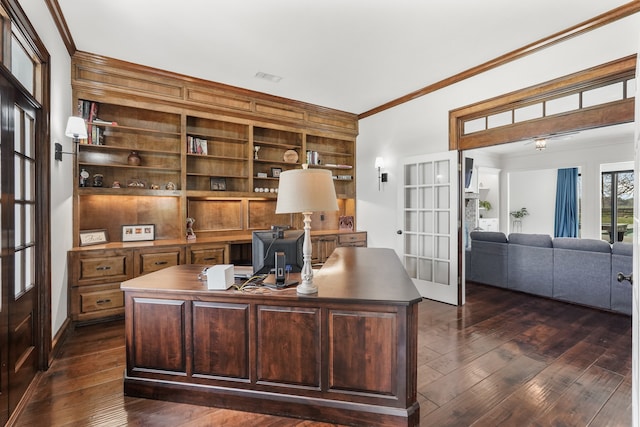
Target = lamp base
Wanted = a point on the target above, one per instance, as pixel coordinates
(306, 288)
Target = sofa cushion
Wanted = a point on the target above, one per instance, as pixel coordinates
(589, 245)
(538, 240)
(582, 271)
(622, 248)
(489, 258)
(530, 263)
(489, 236)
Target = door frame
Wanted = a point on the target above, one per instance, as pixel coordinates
(42, 100)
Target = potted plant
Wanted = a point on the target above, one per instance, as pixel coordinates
(517, 219)
(519, 214)
(485, 204)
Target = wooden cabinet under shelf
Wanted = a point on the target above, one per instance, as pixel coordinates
(94, 282)
(95, 272)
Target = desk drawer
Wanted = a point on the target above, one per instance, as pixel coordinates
(207, 255)
(106, 268)
(352, 239)
(157, 261)
(89, 303)
(98, 301)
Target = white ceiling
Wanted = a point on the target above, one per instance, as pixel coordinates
(351, 55)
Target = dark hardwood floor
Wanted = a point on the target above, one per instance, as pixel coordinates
(502, 359)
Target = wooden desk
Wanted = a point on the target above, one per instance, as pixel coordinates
(345, 355)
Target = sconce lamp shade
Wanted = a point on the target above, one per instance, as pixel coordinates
(379, 163)
(306, 190)
(76, 128)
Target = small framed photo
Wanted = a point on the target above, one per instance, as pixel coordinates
(93, 237)
(138, 232)
(218, 184)
(275, 172)
(346, 223)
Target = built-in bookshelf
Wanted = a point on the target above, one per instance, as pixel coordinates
(217, 157)
(163, 148)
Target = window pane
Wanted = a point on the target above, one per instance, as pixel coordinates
(18, 225)
(529, 112)
(474, 125)
(605, 214)
(22, 66)
(29, 137)
(18, 173)
(29, 268)
(561, 105)
(29, 180)
(30, 224)
(500, 119)
(17, 132)
(18, 279)
(624, 208)
(610, 93)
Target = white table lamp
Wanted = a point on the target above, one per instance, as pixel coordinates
(306, 191)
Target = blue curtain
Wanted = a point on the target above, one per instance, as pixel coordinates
(566, 224)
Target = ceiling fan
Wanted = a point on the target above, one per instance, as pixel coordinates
(540, 142)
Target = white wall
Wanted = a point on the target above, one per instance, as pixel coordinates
(531, 193)
(536, 191)
(421, 126)
(61, 172)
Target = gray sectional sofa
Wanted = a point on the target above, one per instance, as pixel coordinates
(581, 271)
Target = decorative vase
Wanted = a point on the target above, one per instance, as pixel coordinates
(134, 159)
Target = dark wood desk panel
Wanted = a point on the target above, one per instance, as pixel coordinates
(346, 354)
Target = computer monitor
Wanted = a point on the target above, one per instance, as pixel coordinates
(265, 244)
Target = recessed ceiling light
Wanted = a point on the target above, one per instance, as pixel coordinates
(267, 76)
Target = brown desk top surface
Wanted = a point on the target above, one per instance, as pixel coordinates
(365, 274)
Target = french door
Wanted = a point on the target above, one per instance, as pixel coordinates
(428, 205)
(20, 244)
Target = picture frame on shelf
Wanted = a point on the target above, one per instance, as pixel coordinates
(218, 184)
(275, 172)
(93, 237)
(345, 223)
(138, 232)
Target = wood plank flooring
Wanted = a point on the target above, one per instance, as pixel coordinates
(504, 358)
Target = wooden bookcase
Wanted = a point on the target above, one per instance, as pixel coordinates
(228, 183)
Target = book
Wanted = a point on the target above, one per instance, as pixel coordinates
(197, 145)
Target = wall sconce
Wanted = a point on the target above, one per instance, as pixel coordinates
(382, 177)
(541, 144)
(76, 129)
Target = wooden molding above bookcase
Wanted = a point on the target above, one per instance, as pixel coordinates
(205, 150)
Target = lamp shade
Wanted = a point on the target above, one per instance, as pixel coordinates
(76, 128)
(379, 163)
(306, 190)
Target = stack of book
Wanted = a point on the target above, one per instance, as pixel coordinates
(196, 145)
(88, 110)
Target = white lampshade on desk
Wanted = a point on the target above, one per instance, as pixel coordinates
(306, 191)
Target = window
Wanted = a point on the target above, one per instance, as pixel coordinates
(617, 206)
